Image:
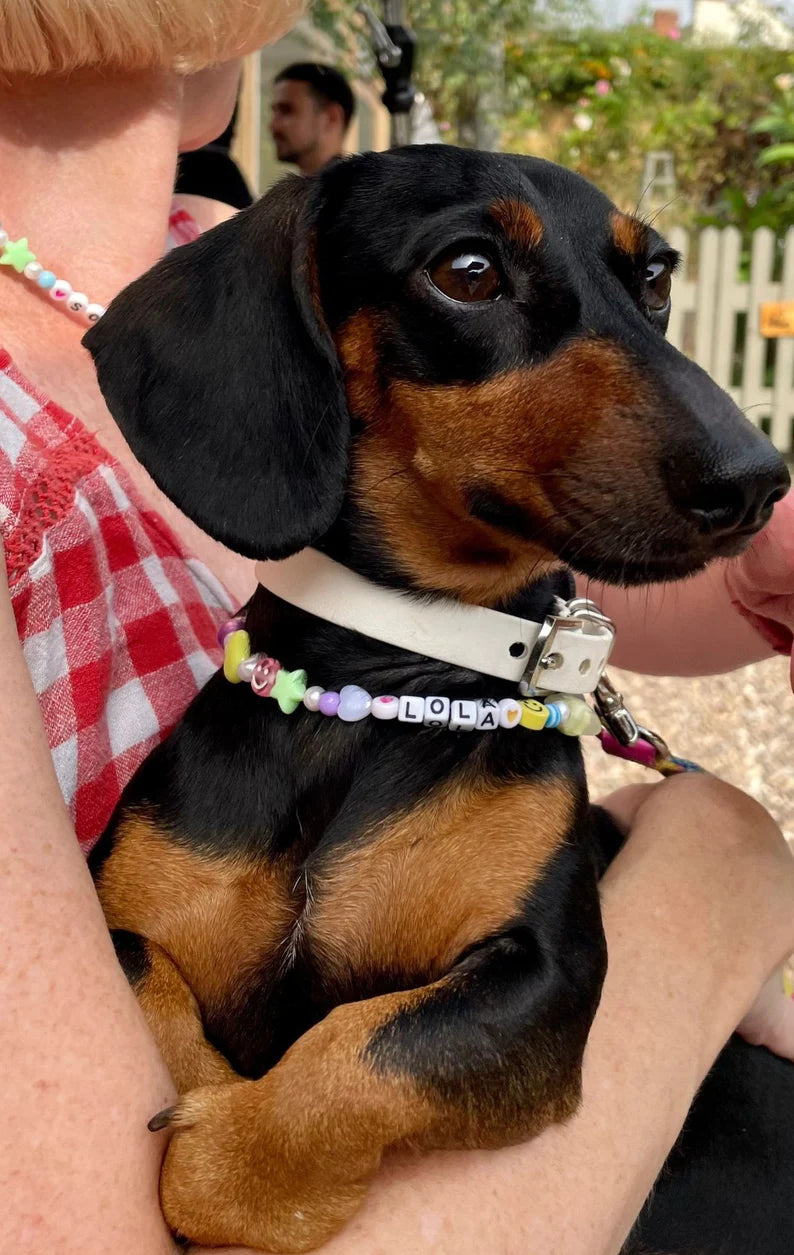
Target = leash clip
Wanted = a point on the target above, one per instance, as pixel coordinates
(615, 716)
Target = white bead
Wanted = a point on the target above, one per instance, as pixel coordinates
(311, 698)
(77, 302)
(3, 237)
(487, 715)
(509, 713)
(385, 707)
(60, 289)
(93, 312)
(246, 668)
(33, 270)
(463, 716)
(436, 712)
(412, 709)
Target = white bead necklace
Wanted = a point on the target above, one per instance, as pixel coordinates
(17, 255)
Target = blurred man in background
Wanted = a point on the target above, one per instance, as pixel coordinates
(311, 110)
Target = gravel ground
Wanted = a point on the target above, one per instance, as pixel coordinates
(739, 726)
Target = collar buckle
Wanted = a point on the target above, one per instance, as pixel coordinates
(571, 652)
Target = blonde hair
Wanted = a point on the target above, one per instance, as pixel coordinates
(58, 36)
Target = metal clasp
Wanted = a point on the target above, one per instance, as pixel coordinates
(614, 714)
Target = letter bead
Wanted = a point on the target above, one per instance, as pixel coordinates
(534, 715)
(462, 716)
(93, 312)
(509, 713)
(385, 707)
(487, 715)
(436, 712)
(77, 302)
(412, 709)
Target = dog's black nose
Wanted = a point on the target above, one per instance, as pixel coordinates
(739, 500)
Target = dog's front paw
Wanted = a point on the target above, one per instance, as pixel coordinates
(243, 1169)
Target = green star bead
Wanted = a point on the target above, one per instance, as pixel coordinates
(288, 690)
(17, 254)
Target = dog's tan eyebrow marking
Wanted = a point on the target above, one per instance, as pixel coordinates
(519, 221)
(629, 233)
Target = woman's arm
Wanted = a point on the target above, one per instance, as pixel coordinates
(81, 1074)
(698, 908)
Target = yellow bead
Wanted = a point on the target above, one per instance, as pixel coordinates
(236, 650)
(534, 715)
(582, 721)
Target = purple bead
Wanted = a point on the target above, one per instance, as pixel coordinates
(231, 625)
(329, 703)
(355, 703)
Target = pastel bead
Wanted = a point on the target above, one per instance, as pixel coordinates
(386, 707)
(436, 712)
(328, 704)
(236, 648)
(509, 713)
(311, 698)
(246, 669)
(411, 709)
(265, 674)
(558, 711)
(355, 703)
(463, 716)
(487, 715)
(93, 312)
(3, 237)
(33, 270)
(60, 290)
(225, 630)
(77, 302)
(289, 689)
(582, 720)
(46, 279)
(534, 715)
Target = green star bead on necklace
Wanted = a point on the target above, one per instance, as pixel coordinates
(17, 254)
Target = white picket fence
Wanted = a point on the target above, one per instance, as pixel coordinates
(716, 321)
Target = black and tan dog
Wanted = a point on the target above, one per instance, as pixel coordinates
(448, 371)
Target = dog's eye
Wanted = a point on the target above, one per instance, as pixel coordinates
(466, 276)
(656, 285)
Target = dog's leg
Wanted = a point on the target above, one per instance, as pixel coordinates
(171, 1012)
(488, 1054)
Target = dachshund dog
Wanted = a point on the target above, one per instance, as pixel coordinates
(446, 371)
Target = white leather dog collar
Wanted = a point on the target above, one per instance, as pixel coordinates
(567, 653)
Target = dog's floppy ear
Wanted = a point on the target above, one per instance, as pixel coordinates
(221, 373)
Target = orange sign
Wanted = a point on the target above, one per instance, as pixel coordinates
(777, 318)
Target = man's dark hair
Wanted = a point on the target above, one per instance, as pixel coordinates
(327, 85)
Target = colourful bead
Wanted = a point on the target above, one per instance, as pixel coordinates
(355, 703)
(509, 713)
(46, 279)
(385, 707)
(582, 720)
(265, 674)
(462, 716)
(487, 715)
(17, 254)
(411, 709)
(289, 689)
(3, 237)
(436, 712)
(60, 290)
(33, 270)
(77, 302)
(311, 698)
(558, 711)
(534, 715)
(231, 625)
(93, 312)
(237, 647)
(329, 704)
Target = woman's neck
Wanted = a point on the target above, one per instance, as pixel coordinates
(87, 169)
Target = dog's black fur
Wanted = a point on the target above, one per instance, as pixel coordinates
(295, 377)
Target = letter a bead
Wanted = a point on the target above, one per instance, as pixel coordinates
(462, 716)
(487, 715)
(412, 709)
(436, 712)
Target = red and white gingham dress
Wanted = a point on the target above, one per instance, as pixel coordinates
(117, 622)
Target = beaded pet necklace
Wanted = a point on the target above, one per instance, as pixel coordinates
(17, 255)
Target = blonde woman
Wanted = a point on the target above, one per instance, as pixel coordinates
(109, 599)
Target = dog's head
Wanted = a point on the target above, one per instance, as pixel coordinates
(456, 359)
